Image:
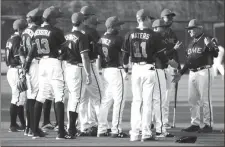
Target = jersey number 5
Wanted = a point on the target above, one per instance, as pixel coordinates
(43, 46)
(140, 49)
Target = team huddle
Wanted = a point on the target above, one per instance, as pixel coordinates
(49, 62)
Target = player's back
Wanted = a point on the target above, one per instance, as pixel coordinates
(110, 49)
(75, 43)
(12, 50)
(142, 44)
(27, 38)
(48, 40)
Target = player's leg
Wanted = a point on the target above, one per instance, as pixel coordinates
(116, 78)
(74, 83)
(105, 105)
(205, 81)
(83, 111)
(47, 125)
(194, 101)
(148, 82)
(13, 78)
(136, 102)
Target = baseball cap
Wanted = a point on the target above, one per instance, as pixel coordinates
(194, 23)
(158, 23)
(77, 17)
(167, 12)
(88, 10)
(35, 12)
(52, 12)
(144, 13)
(19, 24)
(112, 22)
(94, 20)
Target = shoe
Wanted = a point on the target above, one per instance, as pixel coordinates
(106, 134)
(160, 135)
(152, 126)
(65, 136)
(13, 129)
(134, 138)
(56, 128)
(120, 135)
(93, 131)
(192, 128)
(186, 139)
(30, 133)
(167, 126)
(206, 129)
(26, 131)
(20, 128)
(39, 134)
(48, 126)
(109, 130)
(151, 138)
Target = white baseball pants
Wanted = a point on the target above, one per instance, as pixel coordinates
(51, 80)
(200, 94)
(13, 76)
(92, 93)
(159, 99)
(32, 80)
(113, 92)
(143, 81)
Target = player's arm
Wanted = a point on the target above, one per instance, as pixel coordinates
(212, 46)
(98, 61)
(84, 51)
(125, 53)
(30, 57)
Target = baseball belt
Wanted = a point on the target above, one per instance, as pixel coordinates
(201, 68)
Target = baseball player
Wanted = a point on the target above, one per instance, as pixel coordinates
(170, 39)
(141, 44)
(91, 92)
(77, 60)
(219, 62)
(34, 18)
(200, 53)
(162, 62)
(110, 56)
(14, 73)
(49, 40)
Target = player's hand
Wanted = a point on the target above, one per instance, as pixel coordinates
(176, 77)
(177, 45)
(173, 63)
(88, 80)
(207, 41)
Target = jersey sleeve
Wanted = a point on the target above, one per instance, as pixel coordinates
(16, 46)
(60, 37)
(126, 44)
(119, 43)
(83, 44)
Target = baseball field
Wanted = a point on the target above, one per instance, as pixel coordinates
(182, 120)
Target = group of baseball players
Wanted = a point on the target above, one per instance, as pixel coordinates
(51, 60)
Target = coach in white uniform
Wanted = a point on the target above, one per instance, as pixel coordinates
(200, 53)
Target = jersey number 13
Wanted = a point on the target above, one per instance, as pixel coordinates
(43, 46)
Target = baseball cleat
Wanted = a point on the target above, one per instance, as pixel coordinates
(134, 138)
(160, 135)
(13, 129)
(206, 129)
(30, 133)
(106, 134)
(65, 136)
(151, 138)
(20, 128)
(39, 134)
(48, 126)
(192, 128)
(26, 131)
(120, 135)
(167, 126)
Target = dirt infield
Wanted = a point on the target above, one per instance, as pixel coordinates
(182, 120)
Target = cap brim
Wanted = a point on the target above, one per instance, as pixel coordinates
(191, 27)
(151, 17)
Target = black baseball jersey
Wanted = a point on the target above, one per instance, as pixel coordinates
(170, 39)
(48, 40)
(141, 45)
(93, 38)
(110, 46)
(198, 54)
(77, 43)
(27, 38)
(12, 50)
